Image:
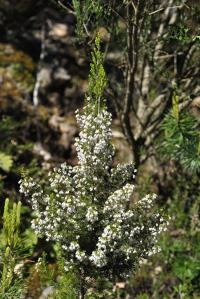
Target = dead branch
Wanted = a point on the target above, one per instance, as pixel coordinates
(38, 75)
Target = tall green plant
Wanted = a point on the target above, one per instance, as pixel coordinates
(88, 208)
(11, 223)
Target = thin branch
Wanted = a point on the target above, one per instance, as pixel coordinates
(190, 52)
(134, 7)
(163, 8)
(86, 30)
(146, 80)
(38, 75)
(148, 114)
(133, 46)
(66, 8)
(144, 112)
(134, 14)
(168, 56)
(117, 14)
(161, 30)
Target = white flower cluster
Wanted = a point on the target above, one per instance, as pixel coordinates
(93, 146)
(89, 208)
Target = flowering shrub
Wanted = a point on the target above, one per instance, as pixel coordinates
(89, 209)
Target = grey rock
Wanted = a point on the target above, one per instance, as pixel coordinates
(61, 74)
(48, 291)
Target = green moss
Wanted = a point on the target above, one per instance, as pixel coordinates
(17, 72)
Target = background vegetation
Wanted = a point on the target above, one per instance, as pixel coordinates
(152, 64)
